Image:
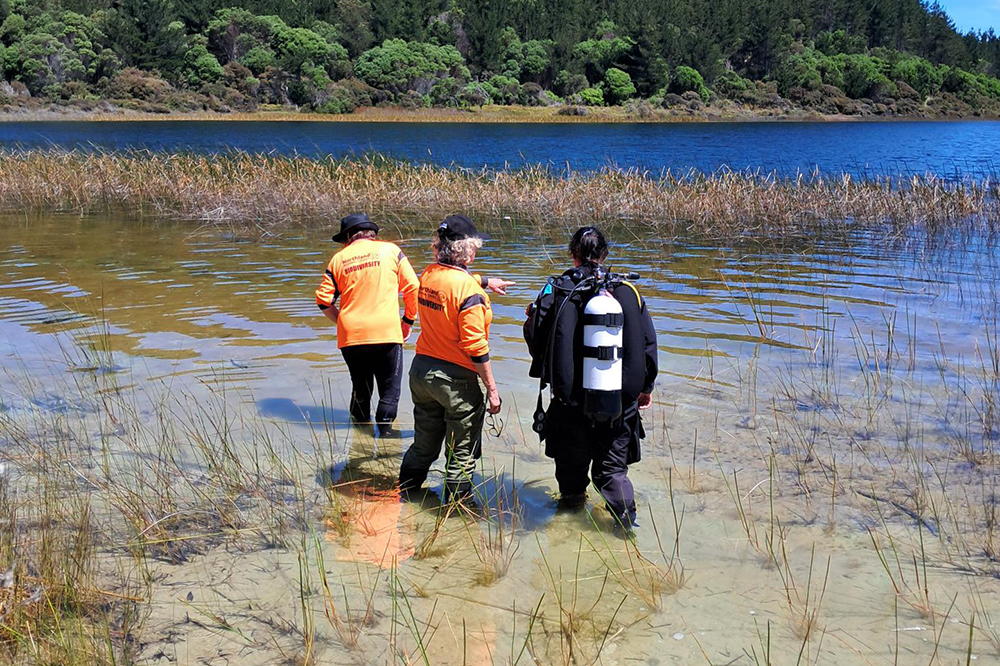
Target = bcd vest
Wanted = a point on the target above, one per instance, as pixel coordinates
(557, 345)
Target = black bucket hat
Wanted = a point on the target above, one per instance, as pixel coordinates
(458, 227)
(352, 223)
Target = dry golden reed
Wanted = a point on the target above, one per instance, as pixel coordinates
(244, 188)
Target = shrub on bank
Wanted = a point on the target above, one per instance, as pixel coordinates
(571, 110)
(567, 84)
(445, 92)
(919, 75)
(687, 79)
(975, 90)
(134, 84)
(475, 94)
(863, 78)
(731, 85)
(346, 96)
(799, 70)
(201, 67)
(401, 67)
(590, 97)
(618, 86)
(504, 89)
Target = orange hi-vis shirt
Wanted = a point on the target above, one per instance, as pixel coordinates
(368, 275)
(455, 316)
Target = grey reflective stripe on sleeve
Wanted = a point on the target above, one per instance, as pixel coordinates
(480, 359)
(336, 289)
(472, 301)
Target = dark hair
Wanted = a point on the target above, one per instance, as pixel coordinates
(588, 246)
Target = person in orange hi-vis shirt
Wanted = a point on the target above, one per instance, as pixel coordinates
(367, 276)
(453, 357)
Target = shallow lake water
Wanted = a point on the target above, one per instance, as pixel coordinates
(805, 391)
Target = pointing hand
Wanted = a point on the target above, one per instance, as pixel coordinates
(499, 285)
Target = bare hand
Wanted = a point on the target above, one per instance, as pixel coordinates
(499, 285)
(332, 313)
(493, 401)
(645, 401)
(407, 329)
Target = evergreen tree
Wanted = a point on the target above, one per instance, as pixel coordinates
(280, 50)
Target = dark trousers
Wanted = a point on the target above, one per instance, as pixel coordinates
(579, 445)
(372, 365)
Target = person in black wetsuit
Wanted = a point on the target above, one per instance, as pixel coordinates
(576, 442)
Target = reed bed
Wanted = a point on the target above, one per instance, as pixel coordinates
(125, 509)
(244, 189)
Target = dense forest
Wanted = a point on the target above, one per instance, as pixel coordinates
(333, 56)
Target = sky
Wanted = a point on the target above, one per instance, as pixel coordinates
(973, 14)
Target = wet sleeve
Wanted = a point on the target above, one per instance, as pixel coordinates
(472, 336)
(652, 350)
(327, 293)
(408, 286)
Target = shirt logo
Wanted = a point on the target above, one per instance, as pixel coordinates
(430, 298)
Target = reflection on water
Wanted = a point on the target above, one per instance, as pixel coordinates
(179, 301)
(183, 302)
(949, 149)
(198, 310)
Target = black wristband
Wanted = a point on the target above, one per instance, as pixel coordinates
(484, 282)
(408, 321)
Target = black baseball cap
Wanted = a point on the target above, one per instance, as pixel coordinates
(458, 227)
(352, 223)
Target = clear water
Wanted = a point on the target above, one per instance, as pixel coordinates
(177, 298)
(854, 361)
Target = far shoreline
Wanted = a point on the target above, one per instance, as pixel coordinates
(485, 115)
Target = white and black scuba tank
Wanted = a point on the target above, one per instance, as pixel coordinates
(603, 322)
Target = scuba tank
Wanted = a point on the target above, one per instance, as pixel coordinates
(602, 321)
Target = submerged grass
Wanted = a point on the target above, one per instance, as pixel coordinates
(269, 190)
(106, 496)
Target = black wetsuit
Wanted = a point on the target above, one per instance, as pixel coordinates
(576, 443)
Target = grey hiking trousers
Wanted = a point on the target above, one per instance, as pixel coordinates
(449, 406)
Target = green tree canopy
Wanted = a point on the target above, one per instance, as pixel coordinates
(618, 86)
(688, 79)
(398, 65)
(608, 48)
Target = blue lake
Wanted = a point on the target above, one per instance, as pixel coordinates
(947, 149)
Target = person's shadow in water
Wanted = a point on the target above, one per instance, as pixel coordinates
(285, 409)
(372, 466)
